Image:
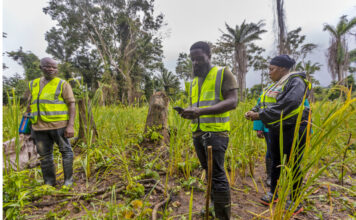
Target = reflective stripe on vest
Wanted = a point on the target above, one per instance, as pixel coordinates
(212, 120)
(266, 100)
(210, 95)
(49, 102)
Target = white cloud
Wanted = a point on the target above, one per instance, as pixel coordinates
(25, 25)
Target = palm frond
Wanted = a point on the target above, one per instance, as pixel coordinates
(348, 26)
(331, 29)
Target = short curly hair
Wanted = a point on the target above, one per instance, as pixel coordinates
(204, 46)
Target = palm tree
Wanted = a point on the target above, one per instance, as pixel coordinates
(238, 39)
(309, 68)
(338, 56)
(168, 81)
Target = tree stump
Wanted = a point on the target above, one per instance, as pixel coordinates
(156, 128)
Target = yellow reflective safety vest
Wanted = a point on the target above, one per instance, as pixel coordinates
(49, 103)
(269, 97)
(210, 94)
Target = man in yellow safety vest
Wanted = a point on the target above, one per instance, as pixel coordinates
(52, 110)
(213, 93)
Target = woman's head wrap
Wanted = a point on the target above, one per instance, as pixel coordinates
(283, 61)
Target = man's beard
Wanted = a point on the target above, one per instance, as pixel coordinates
(201, 71)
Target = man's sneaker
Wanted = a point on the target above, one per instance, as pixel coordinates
(289, 207)
(268, 199)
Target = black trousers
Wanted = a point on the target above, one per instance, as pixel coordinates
(44, 141)
(288, 136)
(219, 144)
(268, 143)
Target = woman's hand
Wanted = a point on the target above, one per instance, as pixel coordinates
(251, 115)
(260, 134)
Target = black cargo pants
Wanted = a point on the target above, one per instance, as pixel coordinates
(288, 136)
(44, 141)
(219, 144)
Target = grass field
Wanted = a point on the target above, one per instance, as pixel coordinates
(115, 178)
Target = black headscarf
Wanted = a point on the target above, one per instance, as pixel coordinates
(283, 61)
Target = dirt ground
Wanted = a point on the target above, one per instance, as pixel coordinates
(245, 201)
(244, 196)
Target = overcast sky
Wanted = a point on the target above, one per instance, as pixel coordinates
(189, 21)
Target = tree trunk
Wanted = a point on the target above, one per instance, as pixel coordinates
(87, 127)
(130, 91)
(244, 84)
(239, 78)
(241, 59)
(281, 27)
(340, 74)
(156, 128)
(236, 72)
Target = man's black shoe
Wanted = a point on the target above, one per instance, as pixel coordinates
(289, 207)
(268, 199)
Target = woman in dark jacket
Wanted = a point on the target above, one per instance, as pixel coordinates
(284, 97)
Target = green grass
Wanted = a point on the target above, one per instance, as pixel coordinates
(117, 152)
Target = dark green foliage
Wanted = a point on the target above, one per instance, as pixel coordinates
(336, 93)
(148, 86)
(222, 55)
(331, 92)
(310, 69)
(90, 67)
(17, 83)
(352, 57)
(261, 64)
(29, 61)
(351, 82)
(19, 190)
(255, 91)
(296, 47)
(119, 38)
(168, 82)
(184, 68)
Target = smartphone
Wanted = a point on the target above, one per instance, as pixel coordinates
(178, 109)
